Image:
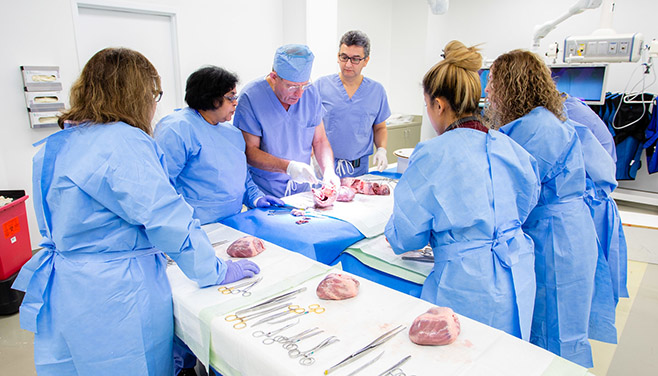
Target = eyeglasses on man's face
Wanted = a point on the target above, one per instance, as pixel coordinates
(294, 88)
(157, 96)
(356, 60)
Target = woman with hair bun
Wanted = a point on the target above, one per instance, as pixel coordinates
(526, 103)
(466, 193)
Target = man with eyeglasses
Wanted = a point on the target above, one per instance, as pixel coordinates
(281, 121)
(357, 109)
(205, 154)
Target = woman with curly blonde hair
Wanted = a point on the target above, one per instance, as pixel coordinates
(466, 193)
(523, 97)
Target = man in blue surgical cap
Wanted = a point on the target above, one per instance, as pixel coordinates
(281, 120)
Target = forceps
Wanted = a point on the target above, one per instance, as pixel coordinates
(396, 370)
(235, 289)
(367, 348)
(307, 359)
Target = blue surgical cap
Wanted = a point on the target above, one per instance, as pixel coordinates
(293, 62)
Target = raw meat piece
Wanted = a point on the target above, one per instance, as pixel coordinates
(247, 246)
(337, 287)
(324, 196)
(437, 326)
(345, 194)
(366, 187)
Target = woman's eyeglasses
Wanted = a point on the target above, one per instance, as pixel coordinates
(157, 96)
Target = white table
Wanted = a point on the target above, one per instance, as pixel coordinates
(199, 317)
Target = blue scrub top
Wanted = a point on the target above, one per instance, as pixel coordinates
(467, 193)
(284, 134)
(580, 112)
(206, 164)
(349, 121)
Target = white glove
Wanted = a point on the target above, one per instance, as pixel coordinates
(379, 159)
(330, 178)
(301, 173)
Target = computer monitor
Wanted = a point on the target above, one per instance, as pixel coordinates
(586, 82)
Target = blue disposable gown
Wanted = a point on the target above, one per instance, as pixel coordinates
(580, 112)
(349, 121)
(611, 266)
(467, 193)
(97, 295)
(206, 164)
(564, 235)
(284, 134)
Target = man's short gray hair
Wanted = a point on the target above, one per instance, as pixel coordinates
(356, 38)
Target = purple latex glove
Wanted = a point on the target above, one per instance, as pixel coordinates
(267, 201)
(239, 269)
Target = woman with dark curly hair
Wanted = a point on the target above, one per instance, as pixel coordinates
(467, 193)
(523, 97)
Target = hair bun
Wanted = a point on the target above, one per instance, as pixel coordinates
(457, 54)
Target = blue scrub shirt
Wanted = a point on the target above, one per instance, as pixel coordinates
(284, 134)
(349, 121)
(206, 164)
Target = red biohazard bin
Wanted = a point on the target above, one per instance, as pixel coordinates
(15, 247)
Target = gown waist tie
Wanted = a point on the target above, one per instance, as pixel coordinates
(35, 276)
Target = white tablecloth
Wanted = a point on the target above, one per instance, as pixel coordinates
(479, 350)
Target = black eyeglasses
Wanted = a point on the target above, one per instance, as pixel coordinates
(157, 96)
(356, 60)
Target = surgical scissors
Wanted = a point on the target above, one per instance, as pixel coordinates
(290, 341)
(235, 289)
(367, 348)
(307, 359)
(242, 324)
(260, 333)
(315, 308)
(270, 302)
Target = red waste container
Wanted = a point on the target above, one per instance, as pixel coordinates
(15, 247)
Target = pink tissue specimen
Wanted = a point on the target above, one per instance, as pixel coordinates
(345, 194)
(437, 326)
(324, 197)
(337, 287)
(247, 246)
(366, 187)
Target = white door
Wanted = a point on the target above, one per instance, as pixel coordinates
(152, 32)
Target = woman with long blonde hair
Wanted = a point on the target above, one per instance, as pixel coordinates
(525, 102)
(466, 193)
(97, 295)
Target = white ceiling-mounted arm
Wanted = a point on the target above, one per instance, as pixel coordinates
(439, 6)
(542, 30)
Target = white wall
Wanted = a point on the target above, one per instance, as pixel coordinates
(243, 35)
(238, 35)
